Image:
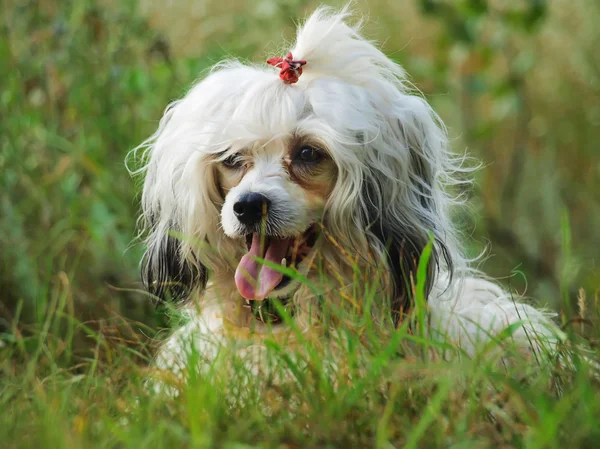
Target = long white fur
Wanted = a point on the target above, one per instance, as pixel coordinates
(348, 88)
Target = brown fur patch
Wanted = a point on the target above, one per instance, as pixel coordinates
(316, 180)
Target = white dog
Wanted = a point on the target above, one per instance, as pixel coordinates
(311, 179)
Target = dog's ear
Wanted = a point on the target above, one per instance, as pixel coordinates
(402, 247)
(175, 216)
(168, 274)
(406, 204)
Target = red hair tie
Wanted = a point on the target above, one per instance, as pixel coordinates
(290, 69)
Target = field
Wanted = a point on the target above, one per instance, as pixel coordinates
(82, 83)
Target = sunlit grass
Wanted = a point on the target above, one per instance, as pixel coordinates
(362, 384)
(81, 83)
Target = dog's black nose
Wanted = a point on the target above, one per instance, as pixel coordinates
(250, 208)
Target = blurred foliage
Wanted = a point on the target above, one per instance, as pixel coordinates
(80, 85)
(82, 82)
(525, 107)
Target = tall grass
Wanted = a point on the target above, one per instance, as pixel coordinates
(363, 384)
(81, 83)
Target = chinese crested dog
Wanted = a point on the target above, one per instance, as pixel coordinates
(275, 191)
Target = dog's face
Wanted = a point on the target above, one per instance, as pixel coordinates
(246, 168)
(274, 193)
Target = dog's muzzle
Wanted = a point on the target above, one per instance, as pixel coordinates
(257, 280)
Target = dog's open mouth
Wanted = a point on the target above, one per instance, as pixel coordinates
(255, 280)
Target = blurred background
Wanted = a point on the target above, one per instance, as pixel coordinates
(83, 82)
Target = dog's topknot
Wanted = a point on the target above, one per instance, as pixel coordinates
(333, 47)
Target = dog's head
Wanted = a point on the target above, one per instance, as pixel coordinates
(345, 163)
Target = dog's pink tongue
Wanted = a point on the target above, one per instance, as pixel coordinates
(255, 281)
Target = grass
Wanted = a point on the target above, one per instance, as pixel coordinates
(388, 388)
(81, 83)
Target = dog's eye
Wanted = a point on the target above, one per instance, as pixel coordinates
(309, 155)
(233, 162)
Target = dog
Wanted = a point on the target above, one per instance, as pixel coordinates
(274, 191)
